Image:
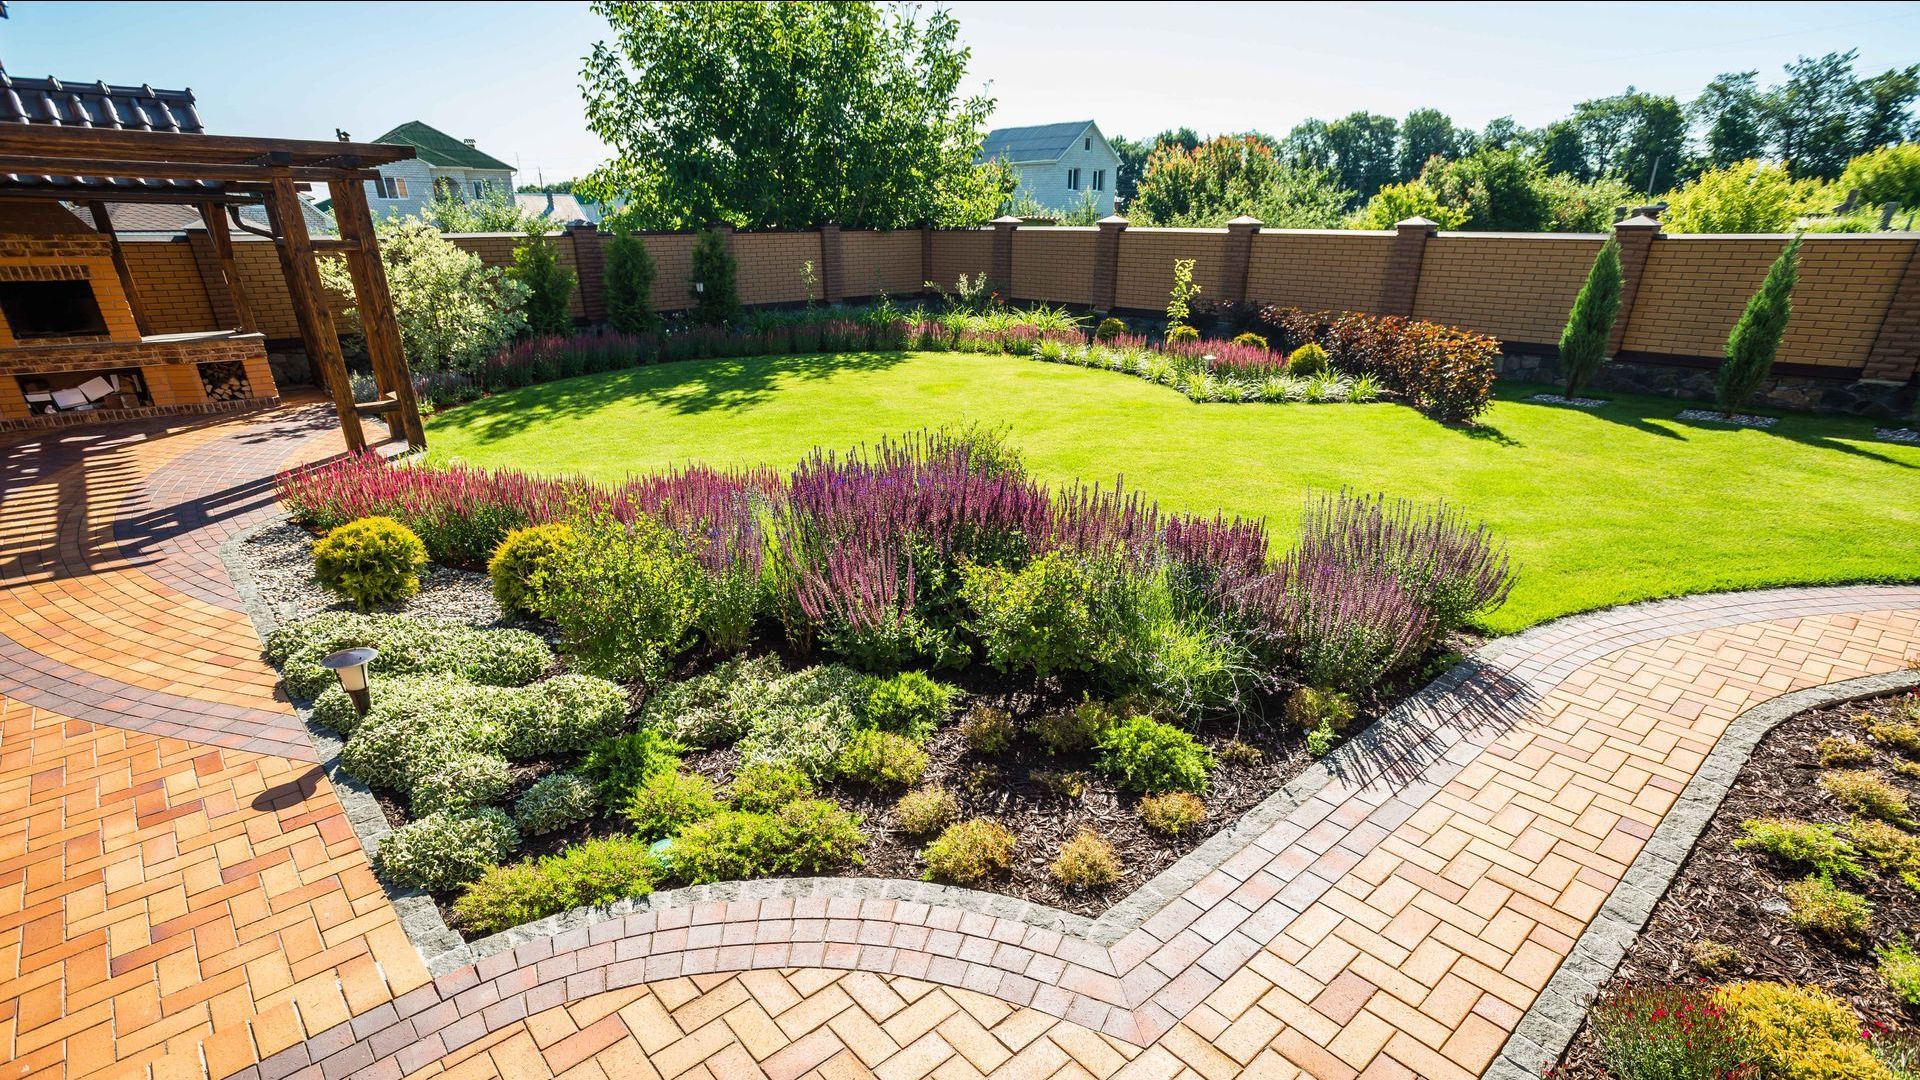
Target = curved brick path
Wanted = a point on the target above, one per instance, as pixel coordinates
(182, 895)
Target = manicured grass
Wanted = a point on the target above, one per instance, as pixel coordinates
(1601, 508)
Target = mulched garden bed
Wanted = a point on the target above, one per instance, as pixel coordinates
(1025, 788)
(1733, 896)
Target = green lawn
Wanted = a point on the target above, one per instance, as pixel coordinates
(1600, 508)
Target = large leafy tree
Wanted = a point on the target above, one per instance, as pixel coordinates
(1428, 133)
(1732, 114)
(785, 115)
(1637, 136)
(1813, 114)
(1230, 176)
(1495, 190)
(1365, 150)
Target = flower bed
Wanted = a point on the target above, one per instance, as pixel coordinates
(1794, 912)
(1441, 369)
(907, 659)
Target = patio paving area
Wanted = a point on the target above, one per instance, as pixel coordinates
(181, 894)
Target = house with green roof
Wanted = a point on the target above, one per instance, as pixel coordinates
(443, 163)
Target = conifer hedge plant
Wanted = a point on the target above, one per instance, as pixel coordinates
(1756, 337)
(1583, 344)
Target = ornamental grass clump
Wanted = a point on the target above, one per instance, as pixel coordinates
(375, 560)
(1665, 1033)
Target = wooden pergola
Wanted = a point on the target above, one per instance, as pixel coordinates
(217, 174)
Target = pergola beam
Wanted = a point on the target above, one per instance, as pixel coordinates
(310, 306)
(377, 322)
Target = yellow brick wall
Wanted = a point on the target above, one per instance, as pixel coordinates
(1517, 288)
(1146, 264)
(172, 295)
(1318, 270)
(874, 261)
(1054, 265)
(767, 266)
(961, 251)
(1696, 287)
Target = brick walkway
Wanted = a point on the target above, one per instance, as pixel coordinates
(187, 899)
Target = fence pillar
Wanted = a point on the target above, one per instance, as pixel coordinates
(1106, 262)
(1896, 348)
(831, 286)
(1402, 282)
(590, 263)
(926, 253)
(1003, 254)
(1240, 234)
(1636, 236)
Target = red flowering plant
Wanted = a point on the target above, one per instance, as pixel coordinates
(1667, 1033)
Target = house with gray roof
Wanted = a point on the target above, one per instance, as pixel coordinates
(442, 163)
(1060, 166)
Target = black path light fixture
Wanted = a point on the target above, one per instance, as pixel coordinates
(350, 665)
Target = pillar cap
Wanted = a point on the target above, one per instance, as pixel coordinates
(1416, 222)
(1638, 221)
(1007, 219)
(1245, 219)
(1112, 219)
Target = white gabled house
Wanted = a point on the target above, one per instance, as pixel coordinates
(1059, 165)
(444, 163)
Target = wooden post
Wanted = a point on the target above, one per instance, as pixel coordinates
(222, 238)
(310, 304)
(375, 302)
(103, 222)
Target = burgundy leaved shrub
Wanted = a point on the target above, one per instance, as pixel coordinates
(1444, 370)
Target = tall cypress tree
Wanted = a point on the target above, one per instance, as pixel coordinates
(1756, 337)
(629, 283)
(1583, 344)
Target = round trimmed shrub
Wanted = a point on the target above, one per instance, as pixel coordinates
(1308, 359)
(519, 561)
(1086, 862)
(1173, 813)
(881, 759)
(461, 782)
(1109, 329)
(443, 850)
(910, 703)
(1179, 335)
(667, 802)
(987, 730)
(761, 787)
(371, 561)
(1144, 755)
(969, 851)
(555, 801)
(1250, 339)
(926, 811)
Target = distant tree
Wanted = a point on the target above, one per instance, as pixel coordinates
(558, 187)
(1582, 205)
(1732, 114)
(1427, 133)
(1756, 337)
(1133, 165)
(1813, 115)
(785, 115)
(1308, 146)
(1889, 174)
(536, 266)
(1583, 342)
(1398, 202)
(629, 285)
(1561, 151)
(1496, 190)
(1886, 108)
(1185, 138)
(1364, 147)
(1231, 176)
(1637, 136)
(495, 212)
(1501, 133)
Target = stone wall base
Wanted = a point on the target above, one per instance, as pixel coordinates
(1876, 400)
(102, 416)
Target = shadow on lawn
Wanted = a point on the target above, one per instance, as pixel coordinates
(686, 386)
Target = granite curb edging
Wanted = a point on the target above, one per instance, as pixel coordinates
(1548, 1028)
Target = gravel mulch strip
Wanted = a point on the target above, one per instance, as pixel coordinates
(1905, 435)
(1576, 402)
(1733, 896)
(1714, 416)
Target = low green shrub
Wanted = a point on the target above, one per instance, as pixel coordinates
(1076, 729)
(801, 719)
(1109, 329)
(1900, 970)
(374, 560)
(1890, 847)
(1308, 359)
(564, 714)
(1711, 957)
(1182, 335)
(407, 646)
(1142, 754)
(1059, 783)
(968, 851)
(519, 565)
(807, 836)
(1085, 862)
(1821, 907)
(1308, 709)
(764, 786)
(1048, 617)
(1796, 1033)
(593, 872)
(1251, 340)
(910, 703)
(1901, 736)
(708, 710)
(881, 759)
(555, 801)
(444, 850)
(1173, 813)
(926, 811)
(1839, 752)
(1239, 754)
(1865, 791)
(461, 782)
(987, 730)
(668, 801)
(619, 764)
(1819, 848)
(625, 597)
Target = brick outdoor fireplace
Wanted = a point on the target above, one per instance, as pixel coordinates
(71, 350)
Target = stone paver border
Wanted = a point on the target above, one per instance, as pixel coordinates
(1549, 1027)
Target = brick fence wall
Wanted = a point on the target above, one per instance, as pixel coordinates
(1856, 310)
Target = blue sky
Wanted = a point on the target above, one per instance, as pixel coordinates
(508, 74)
